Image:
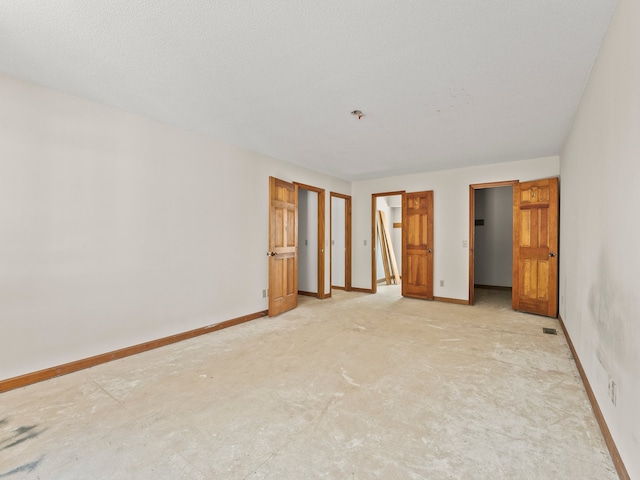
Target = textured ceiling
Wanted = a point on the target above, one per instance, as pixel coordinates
(443, 83)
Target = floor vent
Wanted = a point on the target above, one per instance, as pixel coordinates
(550, 331)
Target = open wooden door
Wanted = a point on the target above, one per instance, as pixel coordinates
(283, 246)
(417, 245)
(535, 247)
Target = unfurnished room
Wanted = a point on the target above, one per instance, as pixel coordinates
(291, 240)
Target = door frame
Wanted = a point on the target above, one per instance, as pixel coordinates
(374, 207)
(472, 224)
(321, 235)
(347, 240)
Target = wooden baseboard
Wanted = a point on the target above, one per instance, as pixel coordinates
(308, 294)
(48, 373)
(608, 439)
(493, 287)
(361, 290)
(457, 301)
(333, 287)
(314, 294)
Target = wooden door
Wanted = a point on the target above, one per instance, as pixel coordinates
(283, 246)
(417, 245)
(535, 247)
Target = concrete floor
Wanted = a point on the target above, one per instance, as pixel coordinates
(357, 386)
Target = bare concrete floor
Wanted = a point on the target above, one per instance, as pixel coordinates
(357, 386)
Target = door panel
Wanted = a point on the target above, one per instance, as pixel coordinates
(283, 247)
(417, 245)
(535, 247)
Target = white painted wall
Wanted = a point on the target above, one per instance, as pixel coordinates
(396, 233)
(338, 210)
(494, 240)
(451, 216)
(307, 241)
(599, 259)
(116, 229)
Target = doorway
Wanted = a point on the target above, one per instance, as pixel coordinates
(534, 248)
(340, 241)
(488, 257)
(311, 239)
(382, 202)
(389, 240)
(491, 244)
(416, 246)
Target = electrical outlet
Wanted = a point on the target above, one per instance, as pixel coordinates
(365, 243)
(442, 283)
(264, 294)
(465, 243)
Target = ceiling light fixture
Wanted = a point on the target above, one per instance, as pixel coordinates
(358, 114)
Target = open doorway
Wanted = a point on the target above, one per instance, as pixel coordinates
(491, 243)
(340, 241)
(386, 262)
(311, 239)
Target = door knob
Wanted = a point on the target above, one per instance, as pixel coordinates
(552, 254)
(428, 250)
(272, 254)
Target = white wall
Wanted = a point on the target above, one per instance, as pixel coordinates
(338, 210)
(307, 241)
(116, 230)
(396, 233)
(599, 255)
(493, 253)
(451, 216)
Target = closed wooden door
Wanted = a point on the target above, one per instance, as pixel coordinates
(283, 246)
(535, 247)
(417, 245)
